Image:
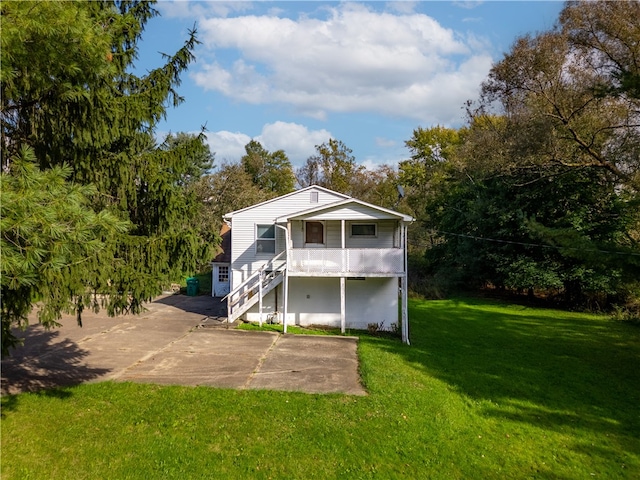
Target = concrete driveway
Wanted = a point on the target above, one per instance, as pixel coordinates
(179, 341)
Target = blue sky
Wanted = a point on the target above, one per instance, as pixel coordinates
(294, 74)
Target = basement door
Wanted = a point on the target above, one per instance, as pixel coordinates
(220, 280)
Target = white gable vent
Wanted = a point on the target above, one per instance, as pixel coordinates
(314, 197)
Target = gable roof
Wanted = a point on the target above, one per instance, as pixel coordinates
(229, 215)
(341, 205)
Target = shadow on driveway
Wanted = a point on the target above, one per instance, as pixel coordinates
(202, 304)
(52, 362)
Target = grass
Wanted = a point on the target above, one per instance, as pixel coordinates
(294, 329)
(486, 390)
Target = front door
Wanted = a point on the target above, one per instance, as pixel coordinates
(220, 280)
(314, 234)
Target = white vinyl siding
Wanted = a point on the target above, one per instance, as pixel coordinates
(317, 301)
(244, 259)
(386, 232)
(354, 212)
(374, 300)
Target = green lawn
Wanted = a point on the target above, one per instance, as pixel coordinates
(485, 391)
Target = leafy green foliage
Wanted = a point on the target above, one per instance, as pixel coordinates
(269, 171)
(333, 167)
(543, 195)
(50, 239)
(258, 176)
(69, 95)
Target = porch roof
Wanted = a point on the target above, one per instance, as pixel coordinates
(347, 209)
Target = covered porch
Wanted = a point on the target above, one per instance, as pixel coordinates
(346, 240)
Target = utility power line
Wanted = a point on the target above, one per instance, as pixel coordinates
(525, 244)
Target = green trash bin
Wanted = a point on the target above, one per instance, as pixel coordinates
(192, 286)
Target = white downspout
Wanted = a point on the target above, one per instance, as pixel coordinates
(285, 283)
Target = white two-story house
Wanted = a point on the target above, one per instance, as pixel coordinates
(317, 257)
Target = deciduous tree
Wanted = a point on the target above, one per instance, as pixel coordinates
(542, 190)
(334, 167)
(270, 171)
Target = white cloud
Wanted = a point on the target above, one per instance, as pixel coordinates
(297, 141)
(354, 60)
(402, 6)
(227, 146)
(191, 9)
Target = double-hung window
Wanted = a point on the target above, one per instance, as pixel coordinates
(265, 239)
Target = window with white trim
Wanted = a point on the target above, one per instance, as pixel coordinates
(223, 274)
(364, 230)
(265, 239)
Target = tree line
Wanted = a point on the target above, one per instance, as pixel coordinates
(537, 192)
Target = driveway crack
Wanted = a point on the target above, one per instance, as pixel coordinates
(149, 355)
(260, 363)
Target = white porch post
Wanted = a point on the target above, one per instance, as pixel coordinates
(405, 293)
(260, 299)
(343, 305)
(343, 293)
(405, 316)
(285, 301)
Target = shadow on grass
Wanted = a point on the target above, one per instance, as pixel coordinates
(547, 368)
(42, 363)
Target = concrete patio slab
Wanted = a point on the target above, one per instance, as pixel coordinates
(165, 345)
(314, 364)
(217, 358)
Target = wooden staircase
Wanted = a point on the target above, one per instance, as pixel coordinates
(254, 288)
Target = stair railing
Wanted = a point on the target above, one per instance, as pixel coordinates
(238, 299)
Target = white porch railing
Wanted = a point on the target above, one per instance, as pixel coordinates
(251, 291)
(345, 262)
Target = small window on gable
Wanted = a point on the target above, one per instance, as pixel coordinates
(265, 239)
(364, 230)
(314, 197)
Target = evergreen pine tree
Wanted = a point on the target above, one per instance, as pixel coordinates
(69, 94)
